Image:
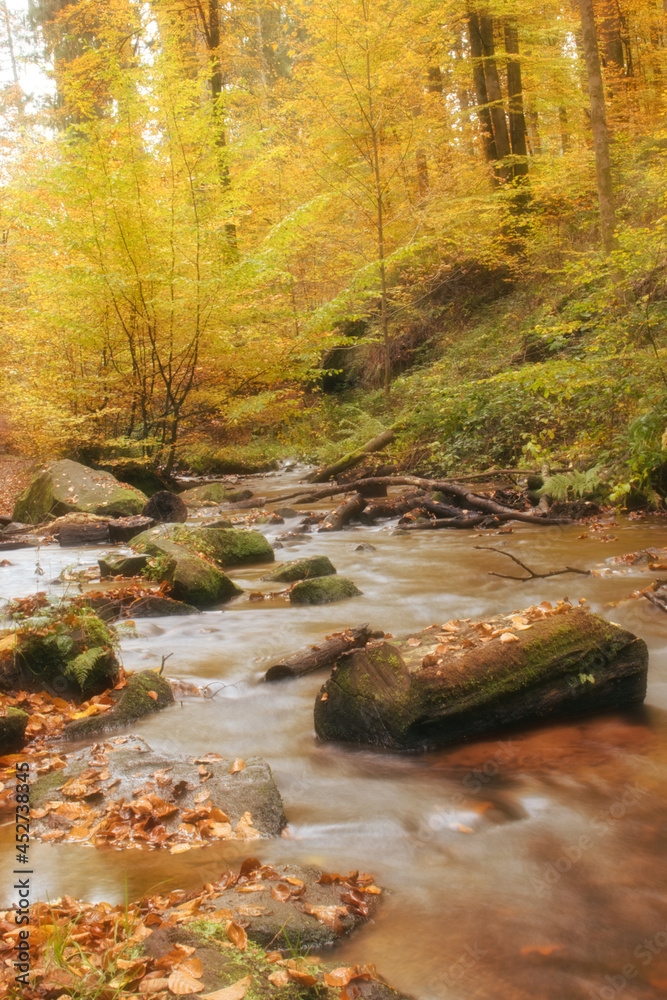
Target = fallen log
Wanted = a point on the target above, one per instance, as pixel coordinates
(325, 655)
(471, 500)
(352, 458)
(393, 507)
(569, 663)
(431, 509)
(339, 517)
(255, 503)
(73, 535)
(450, 522)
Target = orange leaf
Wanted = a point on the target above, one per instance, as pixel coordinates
(304, 978)
(238, 765)
(234, 992)
(279, 978)
(184, 983)
(237, 935)
(152, 694)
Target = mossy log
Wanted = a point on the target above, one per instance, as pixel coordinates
(323, 655)
(353, 457)
(564, 665)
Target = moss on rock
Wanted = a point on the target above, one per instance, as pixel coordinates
(66, 486)
(323, 590)
(62, 648)
(223, 546)
(302, 569)
(12, 730)
(145, 693)
(214, 493)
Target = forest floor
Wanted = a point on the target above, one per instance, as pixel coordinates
(15, 475)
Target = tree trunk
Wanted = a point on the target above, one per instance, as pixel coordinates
(212, 35)
(323, 655)
(493, 89)
(599, 125)
(515, 91)
(611, 35)
(564, 128)
(479, 79)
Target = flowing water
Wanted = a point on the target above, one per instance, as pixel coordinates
(524, 866)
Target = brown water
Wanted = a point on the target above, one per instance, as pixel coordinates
(529, 866)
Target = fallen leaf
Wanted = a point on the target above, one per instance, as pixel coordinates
(180, 982)
(235, 992)
(305, 978)
(152, 694)
(279, 978)
(237, 935)
(328, 915)
(509, 637)
(238, 765)
(541, 949)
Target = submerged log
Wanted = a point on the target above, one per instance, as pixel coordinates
(471, 521)
(339, 517)
(324, 655)
(566, 664)
(352, 458)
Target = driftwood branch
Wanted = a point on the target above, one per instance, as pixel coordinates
(532, 575)
(352, 458)
(324, 654)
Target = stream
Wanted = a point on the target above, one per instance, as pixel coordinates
(524, 866)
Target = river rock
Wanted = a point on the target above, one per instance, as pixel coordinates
(146, 692)
(214, 493)
(12, 730)
(302, 569)
(323, 590)
(127, 771)
(193, 579)
(224, 546)
(516, 670)
(165, 506)
(130, 603)
(66, 486)
(67, 651)
(122, 565)
(273, 902)
(123, 529)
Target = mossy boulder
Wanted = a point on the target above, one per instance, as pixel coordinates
(214, 493)
(193, 578)
(12, 730)
(302, 569)
(566, 664)
(62, 649)
(122, 565)
(66, 486)
(323, 590)
(146, 692)
(223, 546)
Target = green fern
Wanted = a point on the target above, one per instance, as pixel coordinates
(571, 485)
(83, 664)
